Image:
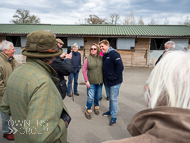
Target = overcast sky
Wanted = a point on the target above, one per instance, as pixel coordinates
(75, 11)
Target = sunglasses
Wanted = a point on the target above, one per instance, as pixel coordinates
(93, 49)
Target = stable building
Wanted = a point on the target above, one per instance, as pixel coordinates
(138, 45)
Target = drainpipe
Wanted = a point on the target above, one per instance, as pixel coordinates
(149, 54)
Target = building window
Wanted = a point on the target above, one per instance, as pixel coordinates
(16, 40)
(64, 39)
(112, 41)
(158, 44)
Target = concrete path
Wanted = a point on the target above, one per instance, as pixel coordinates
(97, 130)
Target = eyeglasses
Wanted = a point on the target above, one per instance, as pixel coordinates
(93, 49)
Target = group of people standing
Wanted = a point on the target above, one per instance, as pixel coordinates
(98, 70)
(67, 64)
(33, 93)
(103, 66)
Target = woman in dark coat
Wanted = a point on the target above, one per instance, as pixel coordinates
(76, 65)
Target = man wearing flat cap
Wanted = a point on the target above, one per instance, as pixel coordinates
(38, 112)
(59, 42)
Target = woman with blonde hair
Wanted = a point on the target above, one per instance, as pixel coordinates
(167, 93)
(93, 76)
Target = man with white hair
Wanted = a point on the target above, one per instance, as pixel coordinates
(7, 66)
(76, 65)
(170, 45)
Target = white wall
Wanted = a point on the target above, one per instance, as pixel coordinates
(78, 40)
(23, 41)
(125, 43)
(155, 53)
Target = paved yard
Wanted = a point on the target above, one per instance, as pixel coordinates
(96, 130)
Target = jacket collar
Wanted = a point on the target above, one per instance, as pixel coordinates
(109, 50)
(75, 53)
(12, 61)
(4, 56)
(47, 68)
(164, 124)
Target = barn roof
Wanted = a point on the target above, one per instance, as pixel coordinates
(100, 30)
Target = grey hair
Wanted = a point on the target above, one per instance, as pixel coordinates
(5, 45)
(168, 83)
(171, 44)
(75, 45)
(51, 32)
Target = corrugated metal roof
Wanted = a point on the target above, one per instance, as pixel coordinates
(100, 30)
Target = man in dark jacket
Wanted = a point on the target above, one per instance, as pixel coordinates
(112, 74)
(62, 69)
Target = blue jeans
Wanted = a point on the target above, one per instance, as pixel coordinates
(75, 75)
(93, 93)
(6, 123)
(106, 93)
(113, 92)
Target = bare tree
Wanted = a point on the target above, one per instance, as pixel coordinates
(94, 19)
(180, 21)
(114, 18)
(132, 18)
(166, 21)
(23, 16)
(141, 21)
(126, 20)
(129, 19)
(154, 22)
(187, 21)
(81, 21)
